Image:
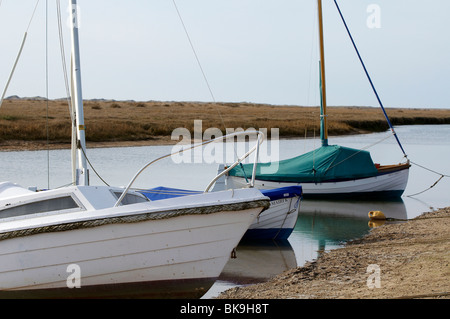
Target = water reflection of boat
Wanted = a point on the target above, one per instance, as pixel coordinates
(330, 229)
(357, 209)
(329, 224)
(258, 260)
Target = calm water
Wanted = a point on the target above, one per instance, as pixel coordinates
(321, 225)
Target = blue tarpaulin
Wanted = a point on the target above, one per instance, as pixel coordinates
(159, 193)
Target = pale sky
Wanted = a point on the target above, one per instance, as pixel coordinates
(260, 51)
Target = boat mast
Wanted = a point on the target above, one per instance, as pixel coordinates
(82, 175)
(323, 96)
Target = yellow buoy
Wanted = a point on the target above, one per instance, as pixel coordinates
(376, 214)
(373, 223)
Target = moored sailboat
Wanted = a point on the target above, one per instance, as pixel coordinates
(331, 171)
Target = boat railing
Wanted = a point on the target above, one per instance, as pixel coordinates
(259, 140)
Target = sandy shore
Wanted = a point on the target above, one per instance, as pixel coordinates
(396, 260)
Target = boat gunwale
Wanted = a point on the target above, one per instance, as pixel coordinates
(383, 169)
(92, 222)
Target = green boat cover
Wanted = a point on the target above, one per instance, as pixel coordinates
(327, 163)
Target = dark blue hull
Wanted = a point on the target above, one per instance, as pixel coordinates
(269, 233)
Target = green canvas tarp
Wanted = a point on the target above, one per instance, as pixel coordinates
(327, 163)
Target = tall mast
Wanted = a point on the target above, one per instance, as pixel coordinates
(323, 95)
(82, 177)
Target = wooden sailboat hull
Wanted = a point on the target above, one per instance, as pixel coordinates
(387, 184)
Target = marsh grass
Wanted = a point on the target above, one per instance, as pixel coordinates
(108, 121)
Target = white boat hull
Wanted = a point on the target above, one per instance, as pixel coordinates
(114, 258)
(276, 222)
(390, 184)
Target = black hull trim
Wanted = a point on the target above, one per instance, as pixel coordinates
(167, 289)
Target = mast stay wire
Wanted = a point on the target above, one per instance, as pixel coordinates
(66, 81)
(47, 95)
(195, 53)
(18, 55)
(382, 107)
(198, 62)
(369, 78)
(196, 57)
(207, 83)
(63, 59)
(434, 184)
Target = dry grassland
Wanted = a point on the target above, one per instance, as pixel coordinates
(23, 121)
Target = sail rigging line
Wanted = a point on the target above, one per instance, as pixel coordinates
(63, 59)
(198, 62)
(441, 176)
(46, 94)
(312, 62)
(439, 179)
(370, 80)
(382, 107)
(32, 16)
(359, 151)
(207, 83)
(90, 164)
(18, 55)
(195, 53)
(67, 87)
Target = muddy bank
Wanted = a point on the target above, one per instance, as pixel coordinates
(396, 260)
(20, 145)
